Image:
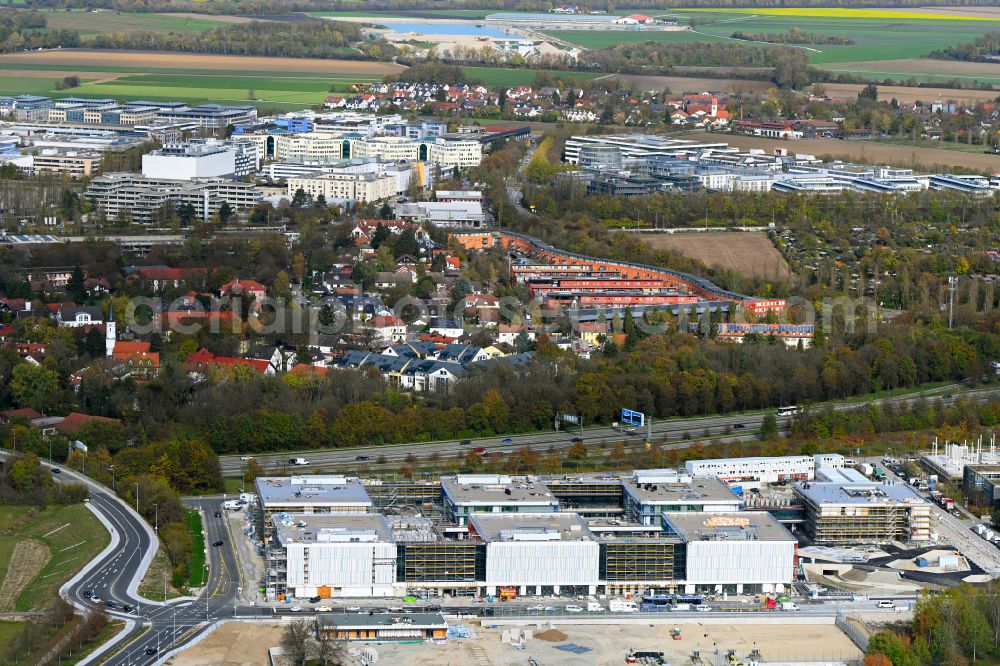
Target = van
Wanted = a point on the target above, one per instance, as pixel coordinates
(703, 609)
(594, 607)
(298, 461)
(619, 606)
(884, 603)
(246, 498)
(681, 607)
(232, 505)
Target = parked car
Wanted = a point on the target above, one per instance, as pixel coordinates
(353, 609)
(315, 600)
(573, 608)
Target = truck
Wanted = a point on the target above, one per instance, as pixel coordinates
(788, 606)
(594, 607)
(232, 505)
(947, 503)
(298, 461)
(866, 469)
(622, 606)
(680, 607)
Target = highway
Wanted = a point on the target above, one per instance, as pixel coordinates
(729, 426)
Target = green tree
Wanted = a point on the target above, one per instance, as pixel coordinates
(225, 212)
(768, 426)
(36, 387)
(76, 287)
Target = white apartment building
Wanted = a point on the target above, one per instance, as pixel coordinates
(763, 469)
(362, 187)
(142, 197)
(329, 147)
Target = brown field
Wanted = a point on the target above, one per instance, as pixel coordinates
(749, 253)
(679, 84)
(916, 66)
(81, 58)
(868, 151)
(908, 94)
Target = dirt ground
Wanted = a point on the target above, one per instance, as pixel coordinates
(610, 643)
(867, 151)
(681, 84)
(749, 253)
(232, 644)
(29, 557)
(81, 58)
(246, 644)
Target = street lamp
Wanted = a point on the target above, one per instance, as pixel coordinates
(137, 497)
(156, 517)
(112, 468)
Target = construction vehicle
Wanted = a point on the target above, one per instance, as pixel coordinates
(696, 659)
(675, 633)
(508, 593)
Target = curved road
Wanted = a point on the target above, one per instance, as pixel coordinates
(115, 574)
(731, 426)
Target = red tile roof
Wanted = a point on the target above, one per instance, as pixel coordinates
(76, 420)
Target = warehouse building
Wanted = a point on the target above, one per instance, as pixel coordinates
(651, 493)
(468, 494)
(541, 553)
(736, 553)
(751, 472)
(853, 513)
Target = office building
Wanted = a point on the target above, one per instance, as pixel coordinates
(981, 485)
(651, 493)
(71, 162)
(207, 116)
(320, 146)
(142, 198)
(346, 187)
(187, 161)
(468, 494)
(853, 513)
(443, 213)
(763, 469)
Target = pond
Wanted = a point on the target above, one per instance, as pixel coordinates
(445, 28)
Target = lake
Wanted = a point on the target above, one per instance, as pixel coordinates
(445, 28)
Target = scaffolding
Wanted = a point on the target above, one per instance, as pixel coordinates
(441, 562)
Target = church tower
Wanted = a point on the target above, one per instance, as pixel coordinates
(110, 331)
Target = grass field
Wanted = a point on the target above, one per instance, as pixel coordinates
(197, 571)
(878, 34)
(95, 23)
(284, 83)
(7, 632)
(72, 535)
(748, 253)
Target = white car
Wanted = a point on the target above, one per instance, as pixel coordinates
(573, 608)
(246, 458)
(323, 609)
(353, 609)
(295, 609)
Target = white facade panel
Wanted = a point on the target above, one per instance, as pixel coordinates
(352, 569)
(542, 563)
(734, 562)
(186, 167)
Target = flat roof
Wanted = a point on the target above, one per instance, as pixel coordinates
(387, 620)
(859, 493)
(495, 489)
(315, 490)
(331, 528)
(530, 527)
(700, 489)
(742, 526)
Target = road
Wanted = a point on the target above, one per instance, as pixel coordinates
(115, 574)
(730, 426)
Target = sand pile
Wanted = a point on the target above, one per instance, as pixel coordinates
(551, 635)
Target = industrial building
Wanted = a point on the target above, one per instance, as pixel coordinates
(852, 513)
(751, 472)
(651, 493)
(515, 536)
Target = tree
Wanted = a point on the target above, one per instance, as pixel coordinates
(76, 287)
(299, 267)
(93, 343)
(330, 650)
(300, 199)
(385, 213)
(868, 95)
(225, 212)
(37, 387)
(296, 641)
(282, 286)
(187, 214)
(768, 426)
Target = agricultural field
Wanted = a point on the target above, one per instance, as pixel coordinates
(922, 69)
(284, 83)
(749, 253)
(878, 34)
(40, 549)
(96, 23)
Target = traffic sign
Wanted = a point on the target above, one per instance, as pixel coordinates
(633, 418)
